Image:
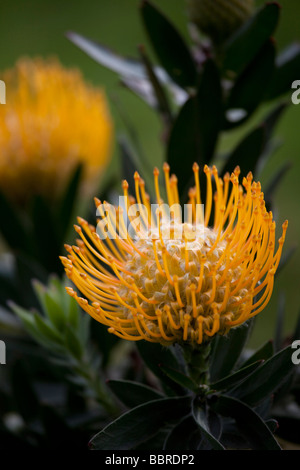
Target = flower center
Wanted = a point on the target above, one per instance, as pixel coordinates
(184, 277)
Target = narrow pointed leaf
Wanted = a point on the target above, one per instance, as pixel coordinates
(250, 86)
(73, 313)
(275, 181)
(27, 319)
(262, 354)
(55, 312)
(46, 330)
(181, 435)
(68, 200)
(129, 161)
(106, 57)
(131, 71)
(243, 46)
(247, 152)
(201, 418)
(169, 46)
(232, 380)
(249, 422)
(154, 355)
(266, 379)
(163, 106)
(194, 135)
(73, 344)
(133, 428)
(45, 235)
(40, 292)
(12, 228)
(179, 378)
(226, 351)
(133, 394)
(285, 73)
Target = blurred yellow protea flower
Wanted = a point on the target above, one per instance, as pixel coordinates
(219, 18)
(52, 121)
(165, 280)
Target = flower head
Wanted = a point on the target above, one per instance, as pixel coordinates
(166, 280)
(219, 18)
(52, 121)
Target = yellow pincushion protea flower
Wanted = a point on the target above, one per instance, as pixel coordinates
(166, 281)
(52, 121)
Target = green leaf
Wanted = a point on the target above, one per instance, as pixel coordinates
(13, 228)
(132, 140)
(226, 351)
(138, 425)
(97, 333)
(169, 46)
(67, 202)
(180, 437)
(73, 344)
(55, 312)
(194, 135)
(132, 72)
(179, 378)
(45, 235)
(235, 378)
(273, 184)
(286, 71)
(265, 352)
(248, 421)
(40, 292)
(162, 105)
(271, 120)
(243, 46)
(106, 57)
(131, 393)
(249, 88)
(153, 354)
(27, 319)
(129, 160)
(200, 415)
(26, 269)
(73, 313)
(266, 379)
(252, 151)
(247, 153)
(47, 331)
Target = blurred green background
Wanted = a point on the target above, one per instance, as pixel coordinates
(37, 28)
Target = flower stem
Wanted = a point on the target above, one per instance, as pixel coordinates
(197, 361)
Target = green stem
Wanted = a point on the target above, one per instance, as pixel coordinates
(102, 394)
(197, 360)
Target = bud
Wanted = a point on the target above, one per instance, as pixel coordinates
(219, 19)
